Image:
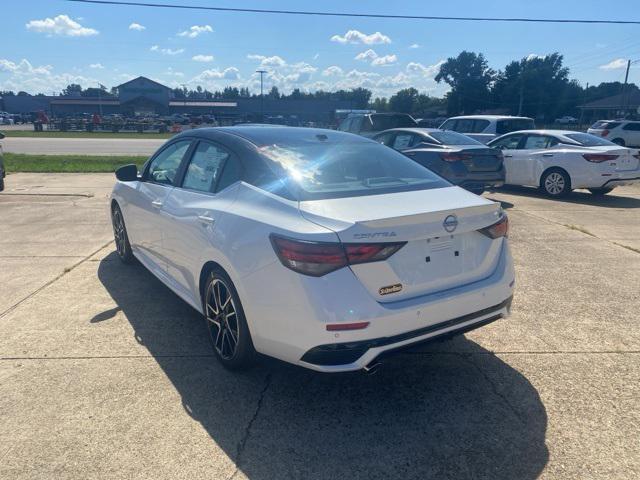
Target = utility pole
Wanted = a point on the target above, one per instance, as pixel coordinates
(624, 88)
(261, 72)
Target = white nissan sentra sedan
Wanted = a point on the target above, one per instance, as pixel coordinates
(320, 248)
(559, 161)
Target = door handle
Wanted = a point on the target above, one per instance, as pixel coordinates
(156, 203)
(547, 154)
(206, 219)
(508, 156)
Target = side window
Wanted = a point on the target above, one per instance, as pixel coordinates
(634, 127)
(356, 123)
(386, 139)
(479, 126)
(205, 167)
(402, 141)
(449, 125)
(344, 125)
(164, 167)
(231, 173)
(537, 142)
(465, 125)
(507, 143)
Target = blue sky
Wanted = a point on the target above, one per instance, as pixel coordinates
(48, 44)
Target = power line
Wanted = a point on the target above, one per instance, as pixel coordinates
(358, 15)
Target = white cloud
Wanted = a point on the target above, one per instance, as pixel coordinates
(24, 76)
(414, 45)
(230, 73)
(97, 66)
(166, 51)
(616, 64)
(385, 61)
(355, 36)
(301, 73)
(316, 56)
(274, 61)
(137, 27)
(195, 31)
(60, 25)
(367, 55)
(332, 71)
(173, 73)
(533, 56)
(428, 71)
(202, 58)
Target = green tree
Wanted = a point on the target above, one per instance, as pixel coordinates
(537, 86)
(470, 79)
(72, 90)
(404, 101)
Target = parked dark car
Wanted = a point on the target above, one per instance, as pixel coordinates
(369, 124)
(2, 170)
(460, 159)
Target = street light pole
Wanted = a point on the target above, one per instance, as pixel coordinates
(261, 72)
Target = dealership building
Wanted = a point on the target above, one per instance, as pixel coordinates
(143, 96)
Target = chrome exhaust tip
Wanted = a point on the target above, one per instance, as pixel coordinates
(372, 368)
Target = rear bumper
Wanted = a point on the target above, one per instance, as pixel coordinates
(620, 181)
(367, 351)
(481, 179)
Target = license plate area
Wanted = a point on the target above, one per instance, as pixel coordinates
(444, 253)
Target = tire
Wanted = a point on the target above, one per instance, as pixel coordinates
(123, 247)
(226, 323)
(619, 141)
(599, 192)
(556, 183)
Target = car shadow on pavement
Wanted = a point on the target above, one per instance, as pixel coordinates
(437, 413)
(582, 197)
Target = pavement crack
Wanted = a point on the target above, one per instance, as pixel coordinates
(494, 389)
(53, 280)
(247, 431)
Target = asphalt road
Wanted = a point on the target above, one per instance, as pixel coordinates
(104, 373)
(81, 146)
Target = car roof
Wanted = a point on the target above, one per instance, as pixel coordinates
(412, 130)
(489, 117)
(545, 132)
(270, 134)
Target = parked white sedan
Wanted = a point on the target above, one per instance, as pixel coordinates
(321, 248)
(559, 161)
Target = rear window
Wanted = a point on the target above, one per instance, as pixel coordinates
(319, 170)
(385, 122)
(588, 140)
(453, 138)
(604, 124)
(514, 125)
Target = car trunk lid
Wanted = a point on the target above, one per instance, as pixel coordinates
(440, 227)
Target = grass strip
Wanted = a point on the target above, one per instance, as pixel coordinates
(19, 162)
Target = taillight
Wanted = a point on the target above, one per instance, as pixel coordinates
(319, 258)
(498, 229)
(599, 157)
(454, 157)
(605, 133)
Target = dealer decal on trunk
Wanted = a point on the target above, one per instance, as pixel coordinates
(390, 289)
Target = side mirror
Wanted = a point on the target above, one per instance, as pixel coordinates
(1, 135)
(127, 173)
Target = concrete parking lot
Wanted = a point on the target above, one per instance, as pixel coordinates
(104, 373)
